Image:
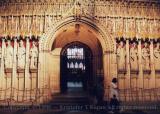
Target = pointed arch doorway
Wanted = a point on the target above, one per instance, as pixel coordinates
(76, 68)
(71, 75)
(64, 32)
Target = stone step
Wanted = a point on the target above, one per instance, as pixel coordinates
(55, 112)
(69, 99)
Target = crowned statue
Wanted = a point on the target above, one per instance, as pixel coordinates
(157, 56)
(134, 57)
(9, 55)
(146, 57)
(33, 56)
(21, 55)
(121, 56)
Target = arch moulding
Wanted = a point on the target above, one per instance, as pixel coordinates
(106, 39)
(47, 59)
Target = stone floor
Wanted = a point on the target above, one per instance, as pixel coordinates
(40, 111)
(150, 108)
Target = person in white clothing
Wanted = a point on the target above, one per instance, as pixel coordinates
(114, 88)
(114, 98)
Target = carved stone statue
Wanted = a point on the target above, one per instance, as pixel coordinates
(121, 56)
(33, 56)
(21, 55)
(134, 57)
(9, 55)
(146, 57)
(157, 57)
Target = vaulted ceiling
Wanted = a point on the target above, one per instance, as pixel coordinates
(70, 34)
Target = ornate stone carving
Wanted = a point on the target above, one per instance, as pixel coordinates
(9, 55)
(120, 27)
(33, 56)
(134, 57)
(146, 57)
(21, 55)
(78, 8)
(121, 56)
(109, 25)
(157, 56)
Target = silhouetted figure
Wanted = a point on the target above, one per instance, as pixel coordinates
(114, 104)
(114, 98)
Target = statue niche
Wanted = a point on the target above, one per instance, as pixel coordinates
(21, 55)
(146, 57)
(121, 57)
(9, 55)
(157, 57)
(134, 57)
(33, 56)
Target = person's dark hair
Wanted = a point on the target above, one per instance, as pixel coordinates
(114, 80)
(114, 96)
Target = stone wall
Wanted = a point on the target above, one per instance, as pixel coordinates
(133, 26)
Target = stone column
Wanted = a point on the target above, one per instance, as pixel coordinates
(41, 72)
(140, 76)
(115, 61)
(54, 73)
(2, 73)
(128, 76)
(107, 74)
(27, 74)
(37, 77)
(152, 83)
(14, 82)
(44, 79)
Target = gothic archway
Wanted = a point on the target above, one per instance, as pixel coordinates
(105, 38)
(80, 36)
(53, 40)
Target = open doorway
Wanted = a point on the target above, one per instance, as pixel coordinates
(76, 68)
